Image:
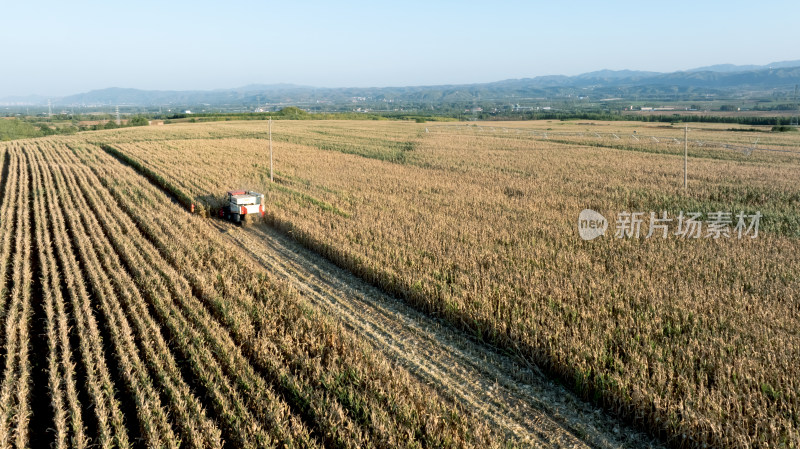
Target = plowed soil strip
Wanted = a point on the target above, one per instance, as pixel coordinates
(519, 399)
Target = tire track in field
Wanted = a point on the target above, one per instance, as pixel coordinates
(529, 407)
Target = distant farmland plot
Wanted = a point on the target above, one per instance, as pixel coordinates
(694, 338)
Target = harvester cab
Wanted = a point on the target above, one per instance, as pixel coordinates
(241, 203)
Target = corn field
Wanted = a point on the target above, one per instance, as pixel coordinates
(128, 322)
(694, 339)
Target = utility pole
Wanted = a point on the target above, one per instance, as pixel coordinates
(270, 151)
(685, 154)
(119, 122)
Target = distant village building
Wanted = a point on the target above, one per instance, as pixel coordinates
(645, 108)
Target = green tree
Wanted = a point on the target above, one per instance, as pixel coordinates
(293, 112)
(138, 120)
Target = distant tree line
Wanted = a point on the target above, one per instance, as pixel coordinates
(671, 118)
(15, 128)
(137, 120)
(11, 129)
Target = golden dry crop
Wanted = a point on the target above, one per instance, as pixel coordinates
(129, 322)
(695, 339)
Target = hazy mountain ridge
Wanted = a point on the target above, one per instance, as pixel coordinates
(746, 68)
(711, 79)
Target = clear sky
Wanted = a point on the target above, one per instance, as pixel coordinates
(60, 47)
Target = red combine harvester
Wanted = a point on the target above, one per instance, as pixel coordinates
(240, 204)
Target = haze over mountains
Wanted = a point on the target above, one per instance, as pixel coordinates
(710, 80)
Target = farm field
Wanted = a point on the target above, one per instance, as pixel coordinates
(128, 322)
(695, 339)
(501, 391)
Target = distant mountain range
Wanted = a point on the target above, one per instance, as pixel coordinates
(745, 68)
(715, 79)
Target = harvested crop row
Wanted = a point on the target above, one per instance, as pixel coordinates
(233, 319)
(69, 427)
(154, 338)
(199, 431)
(296, 389)
(168, 236)
(15, 390)
(107, 422)
(152, 417)
(226, 393)
(109, 257)
(8, 211)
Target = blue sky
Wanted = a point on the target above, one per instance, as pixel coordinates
(60, 48)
